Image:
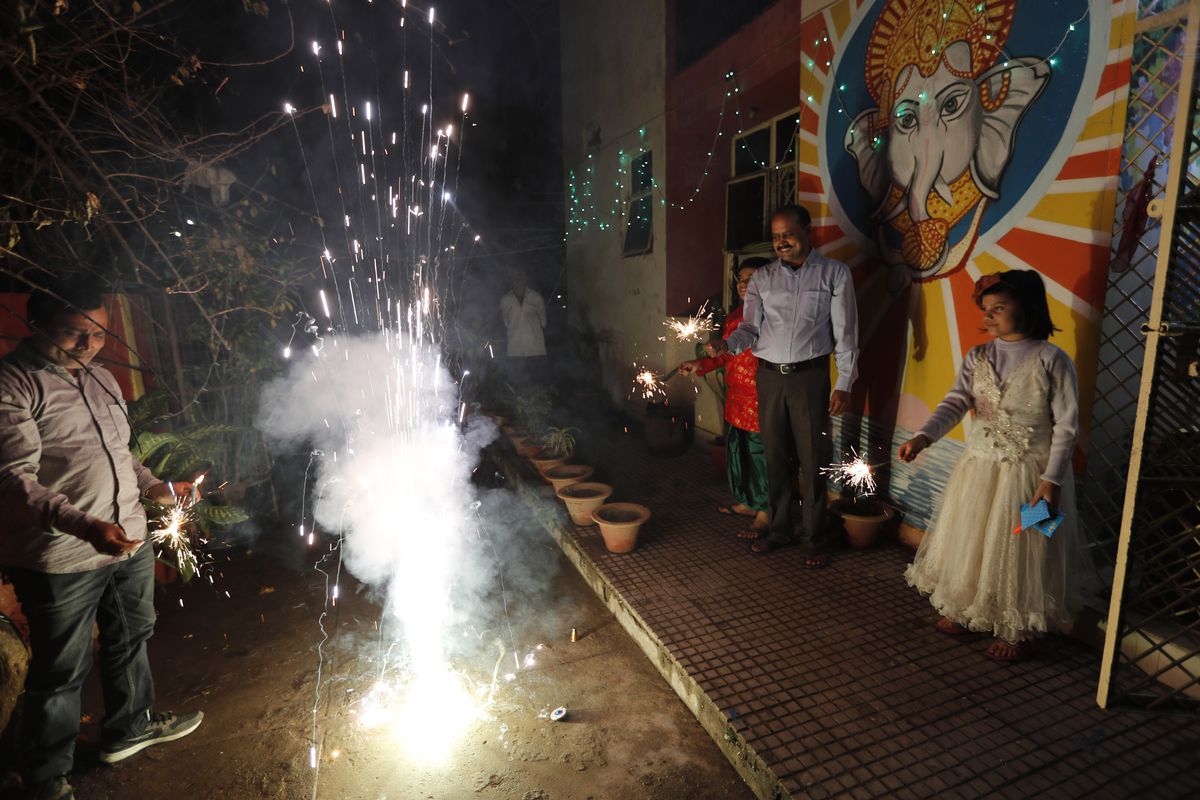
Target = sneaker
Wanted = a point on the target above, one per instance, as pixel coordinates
(164, 727)
(52, 789)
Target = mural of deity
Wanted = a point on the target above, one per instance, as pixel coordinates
(949, 101)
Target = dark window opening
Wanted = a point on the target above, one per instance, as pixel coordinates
(639, 218)
(701, 25)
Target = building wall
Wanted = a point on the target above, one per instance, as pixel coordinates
(613, 78)
(764, 59)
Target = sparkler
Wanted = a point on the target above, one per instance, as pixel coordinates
(692, 329)
(855, 474)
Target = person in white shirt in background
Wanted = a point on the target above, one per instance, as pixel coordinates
(524, 313)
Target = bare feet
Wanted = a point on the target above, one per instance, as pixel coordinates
(950, 627)
(817, 561)
(736, 508)
(756, 531)
(1007, 652)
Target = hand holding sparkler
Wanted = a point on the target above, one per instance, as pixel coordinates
(688, 367)
(838, 402)
(109, 538)
(715, 347)
(910, 449)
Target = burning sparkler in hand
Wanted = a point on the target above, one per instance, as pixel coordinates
(692, 329)
(649, 384)
(854, 473)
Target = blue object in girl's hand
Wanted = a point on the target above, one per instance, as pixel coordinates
(1038, 517)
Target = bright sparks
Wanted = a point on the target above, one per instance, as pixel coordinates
(855, 473)
(692, 329)
(648, 384)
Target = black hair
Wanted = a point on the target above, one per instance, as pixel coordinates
(1025, 286)
(800, 213)
(753, 262)
(56, 298)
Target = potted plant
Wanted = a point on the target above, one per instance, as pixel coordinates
(863, 518)
(559, 442)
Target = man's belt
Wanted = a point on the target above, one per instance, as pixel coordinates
(795, 366)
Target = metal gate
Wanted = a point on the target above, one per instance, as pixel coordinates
(1142, 494)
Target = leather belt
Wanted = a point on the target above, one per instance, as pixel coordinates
(795, 366)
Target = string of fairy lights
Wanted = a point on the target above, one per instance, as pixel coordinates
(585, 212)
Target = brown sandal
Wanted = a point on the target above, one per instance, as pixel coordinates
(950, 627)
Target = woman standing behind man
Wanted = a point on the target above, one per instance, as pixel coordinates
(746, 463)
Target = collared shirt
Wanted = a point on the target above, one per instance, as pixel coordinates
(523, 321)
(64, 461)
(799, 314)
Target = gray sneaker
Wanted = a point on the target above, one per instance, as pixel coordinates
(164, 727)
(56, 788)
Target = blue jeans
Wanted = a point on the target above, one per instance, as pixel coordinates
(61, 608)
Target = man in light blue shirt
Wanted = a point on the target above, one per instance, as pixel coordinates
(799, 309)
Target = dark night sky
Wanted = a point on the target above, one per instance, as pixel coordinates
(504, 52)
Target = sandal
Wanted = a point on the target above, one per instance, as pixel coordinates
(1009, 653)
(950, 627)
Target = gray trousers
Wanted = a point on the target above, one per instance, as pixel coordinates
(793, 415)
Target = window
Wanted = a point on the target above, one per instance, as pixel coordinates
(639, 219)
(763, 177)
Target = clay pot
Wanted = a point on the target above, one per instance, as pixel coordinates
(863, 520)
(528, 450)
(543, 463)
(620, 524)
(566, 474)
(583, 498)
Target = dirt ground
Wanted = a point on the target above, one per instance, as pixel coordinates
(244, 650)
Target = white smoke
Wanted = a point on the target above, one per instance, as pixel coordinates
(393, 476)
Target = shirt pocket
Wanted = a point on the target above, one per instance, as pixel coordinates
(118, 425)
(814, 307)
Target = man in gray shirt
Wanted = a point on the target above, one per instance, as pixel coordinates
(798, 310)
(73, 539)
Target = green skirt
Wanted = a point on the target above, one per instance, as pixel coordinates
(746, 466)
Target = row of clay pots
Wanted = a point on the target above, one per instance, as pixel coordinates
(619, 523)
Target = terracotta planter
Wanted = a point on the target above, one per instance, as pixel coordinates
(863, 520)
(620, 524)
(566, 474)
(528, 450)
(543, 463)
(583, 498)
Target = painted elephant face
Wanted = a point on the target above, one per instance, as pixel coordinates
(941, 152)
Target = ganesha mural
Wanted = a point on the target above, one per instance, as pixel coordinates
(949, 102)
(942, 140)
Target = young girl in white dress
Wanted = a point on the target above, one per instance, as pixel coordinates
(978, 574)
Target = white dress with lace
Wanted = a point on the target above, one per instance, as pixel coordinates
(972, 566)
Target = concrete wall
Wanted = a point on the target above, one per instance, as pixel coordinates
(614, 78)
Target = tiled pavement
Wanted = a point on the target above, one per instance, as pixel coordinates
(834, 683)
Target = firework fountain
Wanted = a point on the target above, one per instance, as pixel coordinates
(368, 388)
